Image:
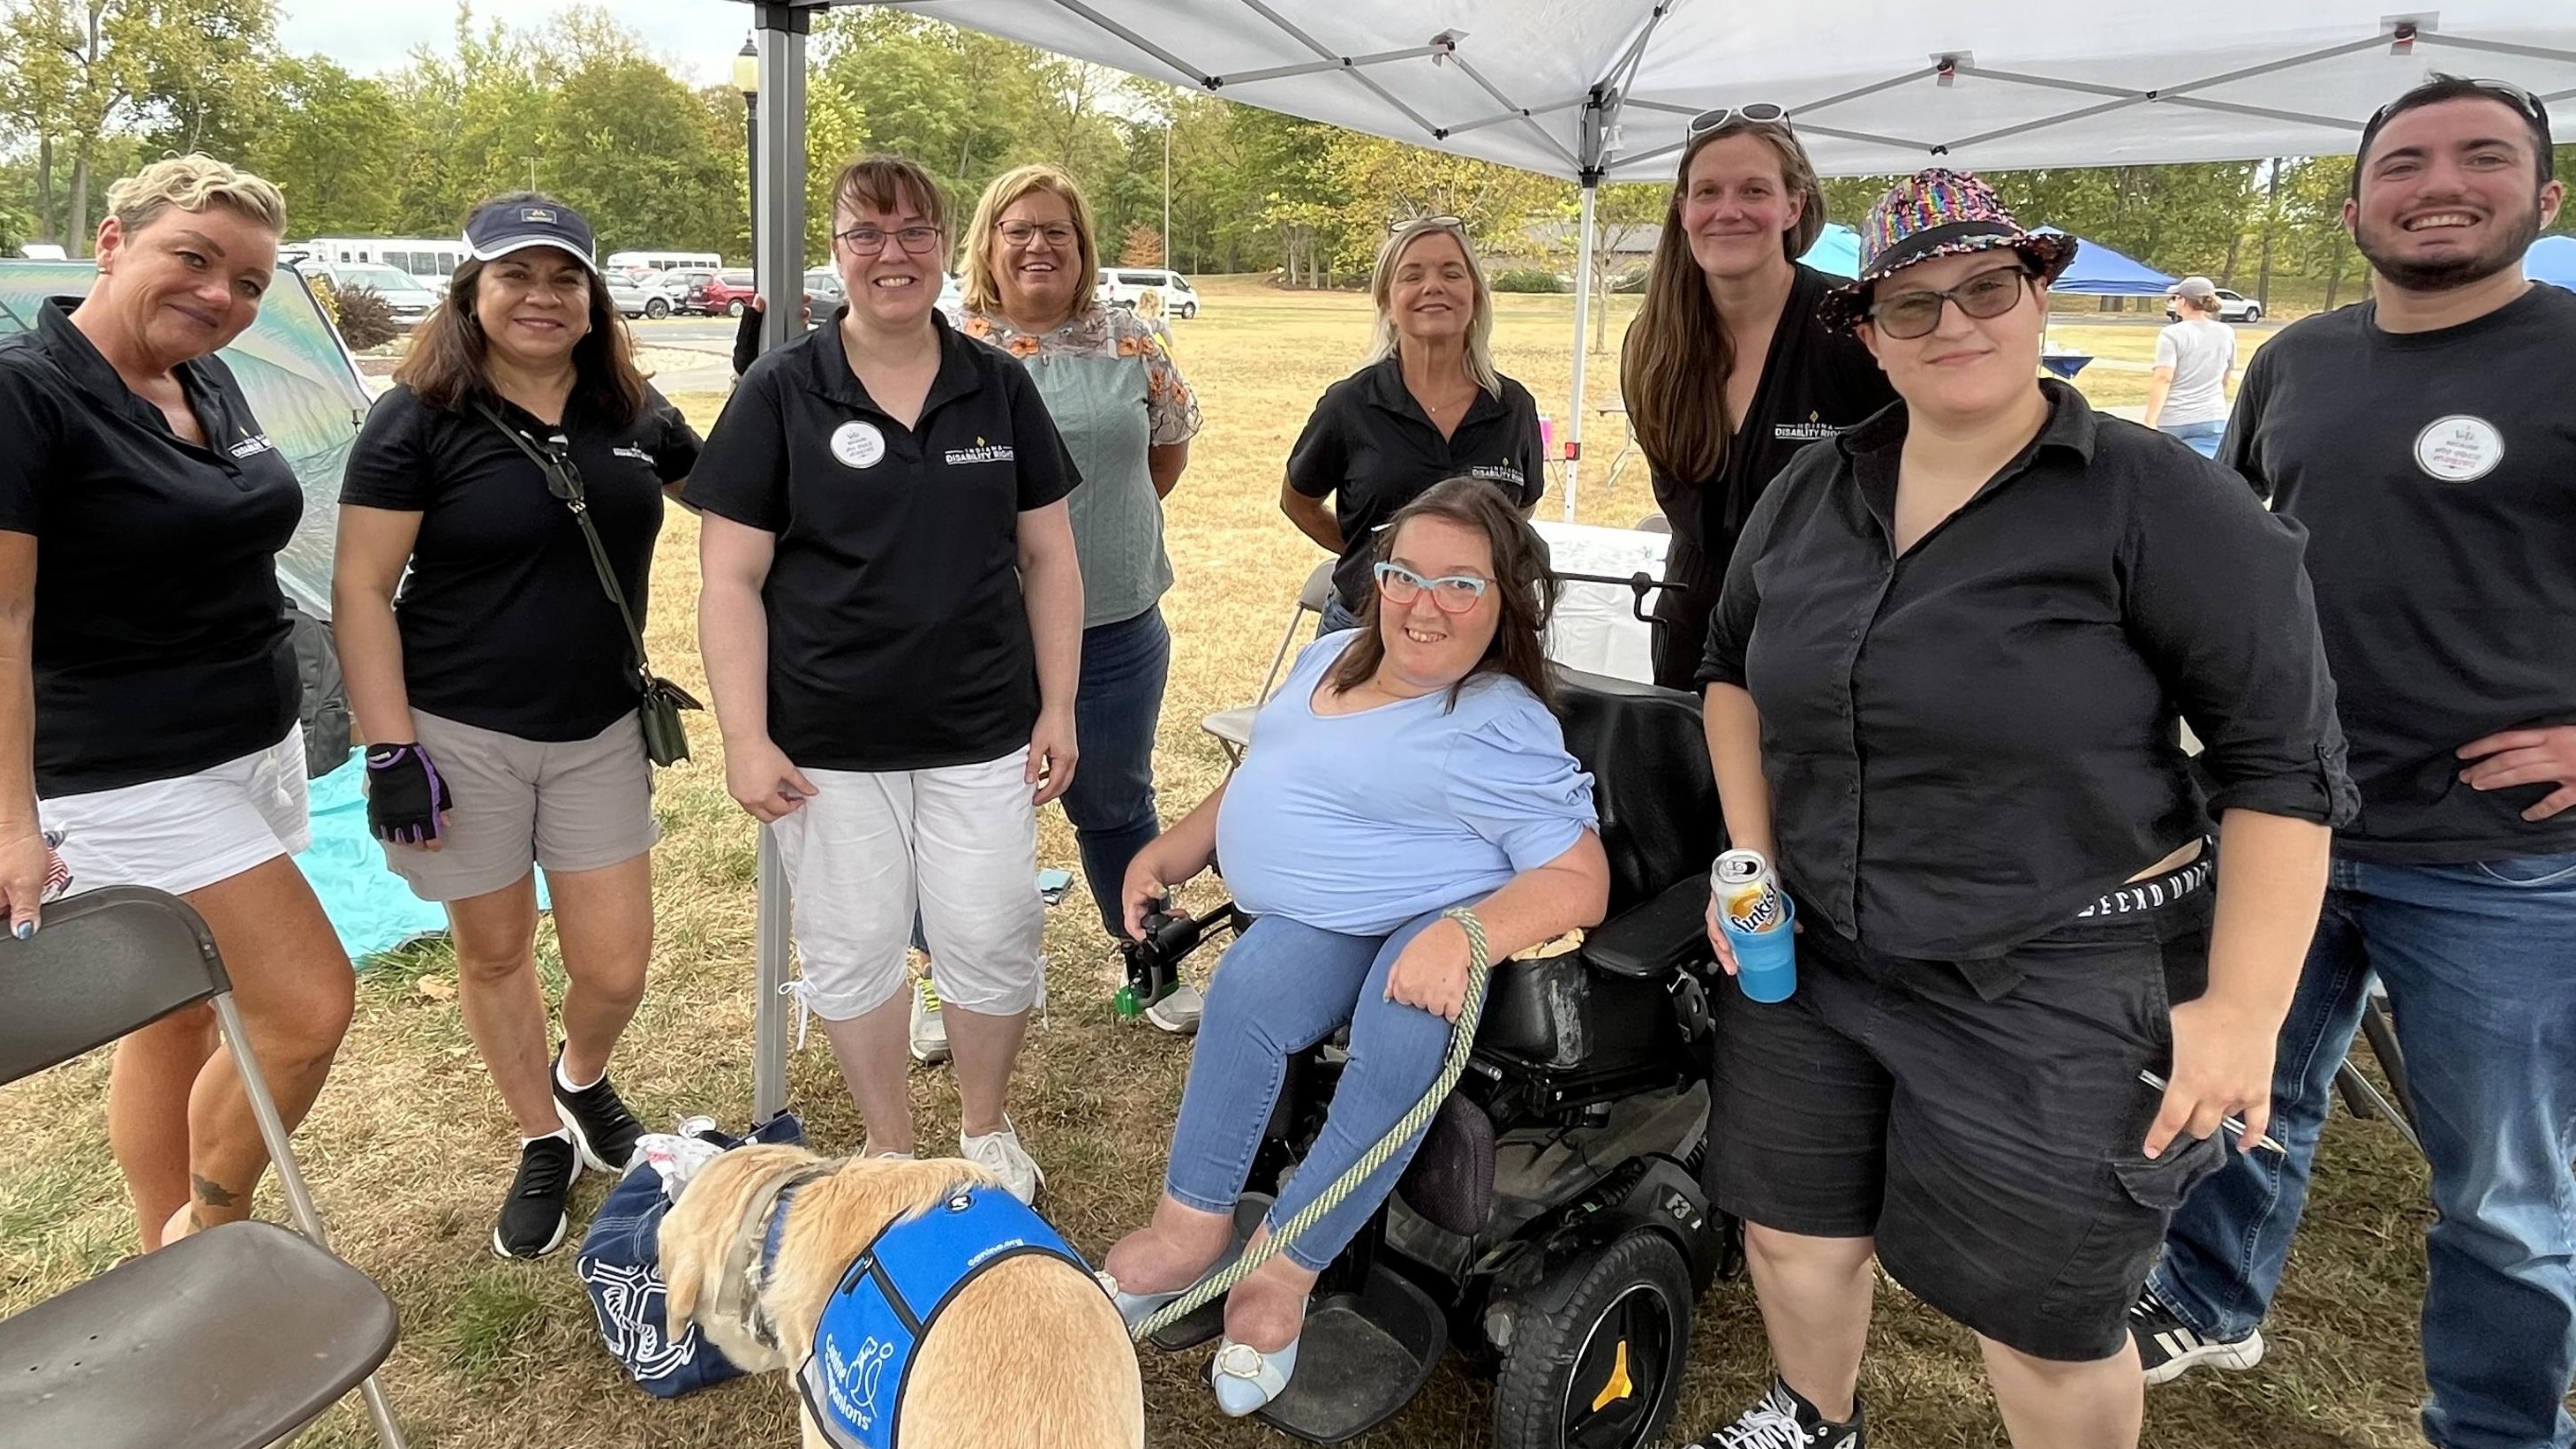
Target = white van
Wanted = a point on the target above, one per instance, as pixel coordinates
(1119, 286)
(432, 260)
(663, 261)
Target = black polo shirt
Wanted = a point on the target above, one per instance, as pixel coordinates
(160, 633)
(1815, 382)
(898, 637)
(504, 624)
(2435, 473)
(1372, 449)
(1967, 744)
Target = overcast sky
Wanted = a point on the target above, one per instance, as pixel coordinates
(696, 37)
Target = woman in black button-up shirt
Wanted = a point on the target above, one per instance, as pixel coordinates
(1947, 675)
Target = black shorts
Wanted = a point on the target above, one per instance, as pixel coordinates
(1981, 1119)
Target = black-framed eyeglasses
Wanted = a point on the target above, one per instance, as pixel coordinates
(1058, 234)
(1905, 316)
(1759, 113)
(869, 241)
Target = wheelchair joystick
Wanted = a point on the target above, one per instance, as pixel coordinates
(1153, 964)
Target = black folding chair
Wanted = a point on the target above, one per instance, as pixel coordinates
(231, 1338)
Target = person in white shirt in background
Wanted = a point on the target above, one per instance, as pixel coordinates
(2195, 361)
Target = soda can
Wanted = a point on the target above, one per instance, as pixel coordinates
(1748, 891)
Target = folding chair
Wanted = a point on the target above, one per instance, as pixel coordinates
(231, 1338)
(1233, 727)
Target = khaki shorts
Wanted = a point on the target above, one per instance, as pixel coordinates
(582, 805)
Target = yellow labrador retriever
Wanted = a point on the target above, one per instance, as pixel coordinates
(1027, 1353)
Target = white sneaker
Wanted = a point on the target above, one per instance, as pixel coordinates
(1001, 1151)
(929, 1031)
(1179, 1012)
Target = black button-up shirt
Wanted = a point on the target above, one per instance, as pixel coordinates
(1967, 743)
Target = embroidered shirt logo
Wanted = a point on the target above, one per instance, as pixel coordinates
(2459, 448)
(1498, 473)
(982, 452)
(629, 450)
(252, 445)
(1814, 429)
(858, 444)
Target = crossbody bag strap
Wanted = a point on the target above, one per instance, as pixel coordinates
(589, 534)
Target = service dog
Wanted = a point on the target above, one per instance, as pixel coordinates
(1025, 1352)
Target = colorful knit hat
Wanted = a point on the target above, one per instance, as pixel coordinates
(1937, 213)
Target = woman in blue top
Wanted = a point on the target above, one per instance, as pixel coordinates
(1407, 767)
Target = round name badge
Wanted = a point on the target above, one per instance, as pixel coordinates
(858, 444)
(2459, 448)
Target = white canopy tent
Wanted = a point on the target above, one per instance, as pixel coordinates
(1600, 90)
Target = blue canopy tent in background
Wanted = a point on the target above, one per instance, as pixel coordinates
(1837, 251)
(2552, 259)
(2098, 271)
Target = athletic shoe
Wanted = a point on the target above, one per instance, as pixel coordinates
(533, 1220)
(2169, 1347)
(1179, 1012)
(929, 1031)
(1783, 1420)
(1001, 1151)
(601, 1127)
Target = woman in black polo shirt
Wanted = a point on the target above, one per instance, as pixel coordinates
(1726, 372)
(1947, 679)
(498, 693)
(141, 513)
(1428, 406)
(892, 624)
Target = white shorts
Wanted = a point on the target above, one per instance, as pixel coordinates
(188, 832)
(959, 844)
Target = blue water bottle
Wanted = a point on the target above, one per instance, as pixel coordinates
(1760, 922)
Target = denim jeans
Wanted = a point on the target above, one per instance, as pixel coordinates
(2203, 437)
(1116, 708)
(1283, 988)
(2480, 965)
(1337, 617)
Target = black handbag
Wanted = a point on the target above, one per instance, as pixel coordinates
(666, 742)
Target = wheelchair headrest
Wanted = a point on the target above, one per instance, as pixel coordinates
(1650, 779)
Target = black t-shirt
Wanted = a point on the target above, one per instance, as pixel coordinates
(504, 624)
(2435, 473)
(1967, 744)
(1371, 449)
(160, 634)
(898, 637)
(1815, 383)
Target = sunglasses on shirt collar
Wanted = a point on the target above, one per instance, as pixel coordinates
(1759, 113)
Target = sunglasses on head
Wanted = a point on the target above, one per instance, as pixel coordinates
(1760, 113)
(2505, 91)
(1426, 223)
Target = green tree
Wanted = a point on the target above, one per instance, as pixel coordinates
(337, 145)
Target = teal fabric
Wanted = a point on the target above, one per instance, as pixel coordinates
(369, 906)
(1098, 404)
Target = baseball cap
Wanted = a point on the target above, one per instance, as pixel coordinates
(516, 223)
(2199, 289)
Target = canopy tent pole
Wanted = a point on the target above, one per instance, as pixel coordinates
(1582, 322)
(778, 264)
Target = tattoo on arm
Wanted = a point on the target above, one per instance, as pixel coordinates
(214, 1194)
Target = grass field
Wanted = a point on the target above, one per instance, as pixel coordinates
(408, 1149)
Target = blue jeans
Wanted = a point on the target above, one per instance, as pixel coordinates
(2480, 966)
(1115, 710)
(1337, 617)
(2203, 437)
(1283, 988)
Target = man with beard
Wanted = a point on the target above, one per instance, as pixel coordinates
(2427, 441)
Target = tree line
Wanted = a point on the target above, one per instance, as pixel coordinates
(580, 107)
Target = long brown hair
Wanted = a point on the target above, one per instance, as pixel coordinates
(1674, 364)
(446, 367)
(1523, 583)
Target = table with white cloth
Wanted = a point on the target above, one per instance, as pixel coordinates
(1596, 626)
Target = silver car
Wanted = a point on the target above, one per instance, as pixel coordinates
(639, 296)
(410, 298)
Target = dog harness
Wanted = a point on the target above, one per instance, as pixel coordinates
(863, 1348)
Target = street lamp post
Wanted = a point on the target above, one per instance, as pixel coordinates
(746, 79)
(1168, 264)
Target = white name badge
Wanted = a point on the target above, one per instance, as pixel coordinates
(858, 444)
(2459, 448)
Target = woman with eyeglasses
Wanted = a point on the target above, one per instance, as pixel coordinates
(1947, 681)
(493, 677)
(891, 618)
(1127, 417)
(1406, 774)
(1429, 405)
(1726, 372)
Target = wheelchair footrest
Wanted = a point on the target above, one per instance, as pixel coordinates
(1362, 1357)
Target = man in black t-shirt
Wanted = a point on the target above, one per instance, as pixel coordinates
(2427, 442)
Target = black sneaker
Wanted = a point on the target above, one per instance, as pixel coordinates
(1783, 1420)
(533, 1220)
(2169, 1347)
(601, 1126)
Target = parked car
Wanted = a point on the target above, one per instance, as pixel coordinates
(823, 291)
(2232, 307)
(687, 289)
(410, 298)
(639, 296)
(1119, 286)
(729, 292)
(952, 299)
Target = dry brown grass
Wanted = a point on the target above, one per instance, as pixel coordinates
(407, 1149)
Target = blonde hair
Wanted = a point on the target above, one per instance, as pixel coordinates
(1149, 304)
(978, 283)
(194, 183)
(1480, 331)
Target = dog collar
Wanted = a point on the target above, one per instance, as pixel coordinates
(745, 1273)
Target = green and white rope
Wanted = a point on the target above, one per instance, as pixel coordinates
(1453, 1064)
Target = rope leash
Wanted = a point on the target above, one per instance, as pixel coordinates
(1453, 1064)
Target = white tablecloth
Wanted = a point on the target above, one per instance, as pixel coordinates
(1596, 626)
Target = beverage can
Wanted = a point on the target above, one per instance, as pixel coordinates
(1748, 891)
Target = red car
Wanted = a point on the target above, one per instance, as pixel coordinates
(729, 292)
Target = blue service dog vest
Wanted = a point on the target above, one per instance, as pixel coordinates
(863, 1348)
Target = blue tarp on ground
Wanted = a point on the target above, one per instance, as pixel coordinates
(1837, 251)
(2098, 271)
(2552, 259)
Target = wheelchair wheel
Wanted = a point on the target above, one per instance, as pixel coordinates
(1604, 1370)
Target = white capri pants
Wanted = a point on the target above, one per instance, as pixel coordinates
(960, 843)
